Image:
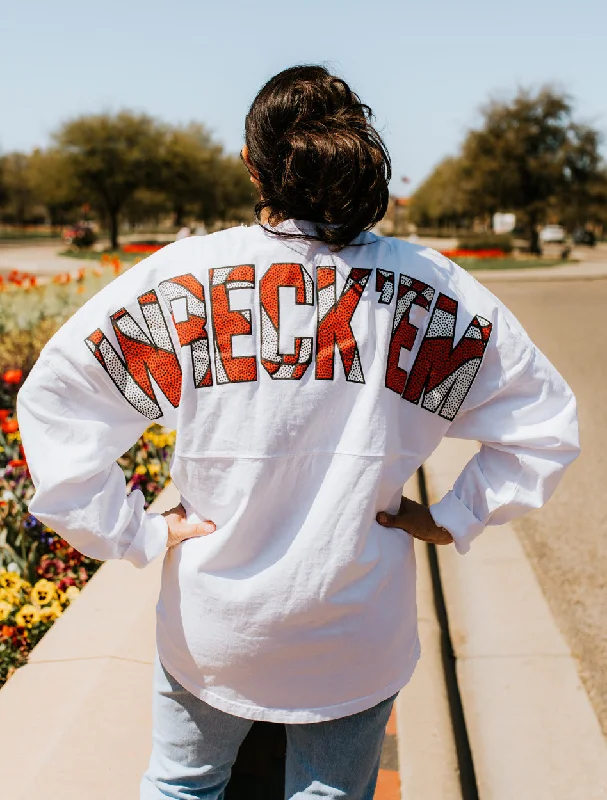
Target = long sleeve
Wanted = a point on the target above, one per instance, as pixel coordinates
(524, 415)
(78, 413)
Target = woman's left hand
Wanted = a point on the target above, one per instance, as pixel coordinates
(415, 519)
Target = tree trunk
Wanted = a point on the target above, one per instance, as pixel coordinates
(535, 245)
(178, 213)
(113, 230)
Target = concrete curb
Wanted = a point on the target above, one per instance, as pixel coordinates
(532, 729)
(426, 750)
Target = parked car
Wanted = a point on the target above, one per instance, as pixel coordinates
(552, 233)
(582, 236)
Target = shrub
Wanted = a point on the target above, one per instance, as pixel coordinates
(84, 237)
(486, 241)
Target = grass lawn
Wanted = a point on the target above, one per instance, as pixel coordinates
(470, 264)
(510, 263)
(94, 255)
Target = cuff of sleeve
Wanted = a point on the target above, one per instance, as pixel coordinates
(149, 541)
(452, 514)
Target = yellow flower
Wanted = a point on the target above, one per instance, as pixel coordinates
(10, 580)
(14, 437)
(43, 592)
(5, 610)
(159, 437)
(140, 470)
(9, 596)
(154, 468)
(50, 613)
(27, 616)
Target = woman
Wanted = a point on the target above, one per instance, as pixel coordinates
(309, 368)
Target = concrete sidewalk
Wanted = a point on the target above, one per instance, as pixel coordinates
(532, 729)
(42, 260)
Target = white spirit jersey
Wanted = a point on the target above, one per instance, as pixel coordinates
(305, 387)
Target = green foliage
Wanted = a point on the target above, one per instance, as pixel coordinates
(126, 167)
(486, 241)
(440, 199)
(199, 181)
(530, 156)
(17, 187)
(111, 156)
(54, 185)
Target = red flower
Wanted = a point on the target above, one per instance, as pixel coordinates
(17, 462)
(7, 631)
(13, 376)
(4, 413)
(10, 426)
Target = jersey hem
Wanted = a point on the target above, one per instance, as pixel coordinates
(294, 716)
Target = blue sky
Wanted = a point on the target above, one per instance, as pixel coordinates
(424, 68)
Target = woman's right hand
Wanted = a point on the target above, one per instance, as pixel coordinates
(180, 530)
(416, 520)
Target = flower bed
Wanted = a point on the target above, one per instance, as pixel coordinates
(143, 247)
(460, 253)
(40, 573)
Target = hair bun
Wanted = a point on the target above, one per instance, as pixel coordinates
(317, 154)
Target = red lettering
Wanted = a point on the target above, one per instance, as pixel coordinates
(291, 366)
(227, 323)
(334, 323)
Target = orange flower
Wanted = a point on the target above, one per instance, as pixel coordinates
(17, 462)
(13, 376)
(10, 426)
(4, 414)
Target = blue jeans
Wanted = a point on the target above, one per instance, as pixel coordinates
(195, 746)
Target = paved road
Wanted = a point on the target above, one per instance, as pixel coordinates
(567, 540)
(37, 259)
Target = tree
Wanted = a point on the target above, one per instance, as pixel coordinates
(146, 206)
(234, 192)
(53, 184)
(111, 157)
(3, 189)
(529, 156)
(19, 198)
(439, 200)
(189, 169)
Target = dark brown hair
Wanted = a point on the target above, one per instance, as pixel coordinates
(316, 155)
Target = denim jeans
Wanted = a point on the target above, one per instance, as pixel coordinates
(195, 746)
